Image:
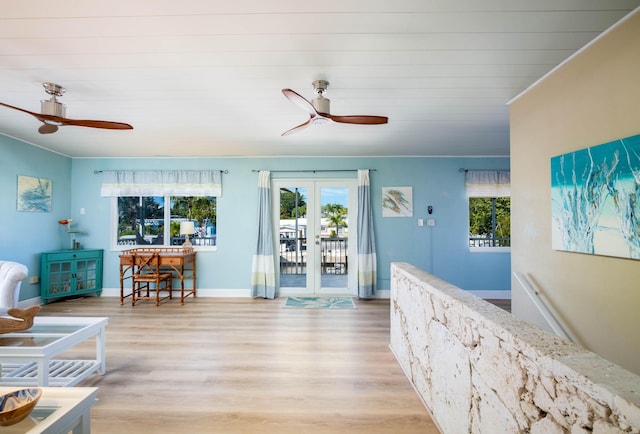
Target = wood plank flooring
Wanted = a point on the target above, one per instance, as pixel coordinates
(502, 303)
(240, 365)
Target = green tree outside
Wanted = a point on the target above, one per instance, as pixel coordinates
(131, 213)
(335, 215)
(202, 209)
(481, 222)
(288, 204)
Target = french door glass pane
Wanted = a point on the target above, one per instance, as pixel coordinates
(293, 237)
(334, 237)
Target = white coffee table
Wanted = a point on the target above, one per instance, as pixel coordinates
(27, 356)
(59, 410)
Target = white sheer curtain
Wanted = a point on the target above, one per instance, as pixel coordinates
(488, 183)
(367, 264)
(161, 183)
(263, 277)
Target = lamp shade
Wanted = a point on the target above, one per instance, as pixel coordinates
(187, 228)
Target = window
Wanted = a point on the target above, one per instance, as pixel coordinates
(489, 194)
(489, 222)
(147, 207)
(140, 220)
(202, 210)
(143, 220)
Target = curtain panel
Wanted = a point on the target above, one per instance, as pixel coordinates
(263, 275)
(488, 183)
(366, 251)
(161, 183)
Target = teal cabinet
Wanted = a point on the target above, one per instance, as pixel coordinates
(66, 273)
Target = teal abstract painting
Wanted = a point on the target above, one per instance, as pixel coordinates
(595, 199)
(34, 194)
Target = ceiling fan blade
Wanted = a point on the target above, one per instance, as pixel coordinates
(37, 115)
(359, 119)
(41, 117)
(107, 125)
(47, 128)
(300, 101)
(298, 128)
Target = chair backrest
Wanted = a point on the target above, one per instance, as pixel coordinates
(147, 263)
(11, 276)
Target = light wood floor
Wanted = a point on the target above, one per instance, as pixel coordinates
(220, 365)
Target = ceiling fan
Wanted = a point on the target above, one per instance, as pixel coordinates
(53, 114)
(318, 110)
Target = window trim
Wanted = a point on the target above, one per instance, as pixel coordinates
(489, 249)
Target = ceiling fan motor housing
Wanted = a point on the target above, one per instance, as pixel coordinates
(52, 107)
(321, 104)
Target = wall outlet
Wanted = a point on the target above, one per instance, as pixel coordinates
(34, 279)
(420, 222)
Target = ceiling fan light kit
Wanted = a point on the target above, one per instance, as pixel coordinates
(319, 110)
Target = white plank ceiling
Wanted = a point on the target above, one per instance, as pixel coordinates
(204, 78)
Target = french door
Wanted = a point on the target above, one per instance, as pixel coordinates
(316, 223)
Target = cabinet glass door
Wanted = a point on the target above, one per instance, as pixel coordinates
(85, 274)
(60, 274)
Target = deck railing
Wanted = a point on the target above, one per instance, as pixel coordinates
(489, 242)
(158, 240)
(333, 255)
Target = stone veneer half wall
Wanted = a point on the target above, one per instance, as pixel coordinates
(478, 369)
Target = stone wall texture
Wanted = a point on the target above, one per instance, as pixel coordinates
(478, 369)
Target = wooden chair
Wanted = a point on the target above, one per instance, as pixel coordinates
(148, 278)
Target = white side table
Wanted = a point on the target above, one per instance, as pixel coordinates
(59, 410)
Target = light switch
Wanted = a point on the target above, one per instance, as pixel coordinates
(420, 222)
(431, 222)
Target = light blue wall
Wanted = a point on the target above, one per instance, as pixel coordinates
(440, 250)
(23, 235)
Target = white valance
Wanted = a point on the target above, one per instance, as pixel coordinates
(161, 183)
(488, 183)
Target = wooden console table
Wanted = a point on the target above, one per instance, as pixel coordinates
(180, 261)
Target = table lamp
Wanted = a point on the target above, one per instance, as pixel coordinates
(187, 228)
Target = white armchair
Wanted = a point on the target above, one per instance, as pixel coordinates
(11, 276)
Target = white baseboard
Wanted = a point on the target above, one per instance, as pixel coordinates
(497, 294)
(35, 301)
